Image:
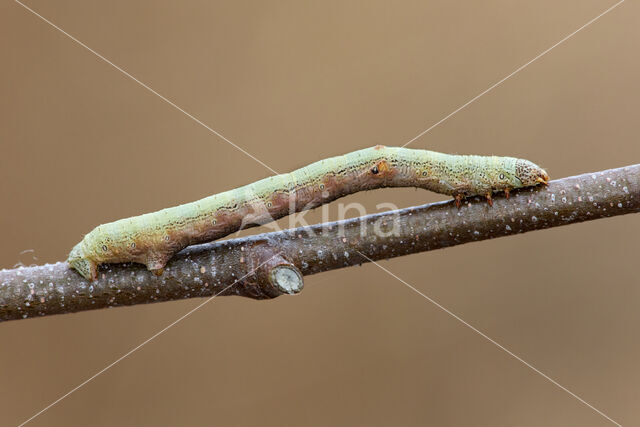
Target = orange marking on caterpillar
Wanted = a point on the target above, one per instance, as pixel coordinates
(384, 168)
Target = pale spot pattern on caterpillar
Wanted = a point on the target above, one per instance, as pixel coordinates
(153, 238)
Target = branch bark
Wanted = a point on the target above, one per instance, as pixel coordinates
(271, 264)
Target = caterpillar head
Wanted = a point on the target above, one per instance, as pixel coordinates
(530, 174)
(78, 260)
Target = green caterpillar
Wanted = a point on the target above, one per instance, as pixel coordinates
(153, 238)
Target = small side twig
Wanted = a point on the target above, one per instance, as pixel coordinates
(272, 264)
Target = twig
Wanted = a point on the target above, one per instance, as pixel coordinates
(274, 263)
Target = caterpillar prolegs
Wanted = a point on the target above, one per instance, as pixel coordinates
(153, 238)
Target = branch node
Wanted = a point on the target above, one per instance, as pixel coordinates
(287, 278)
(274, 275)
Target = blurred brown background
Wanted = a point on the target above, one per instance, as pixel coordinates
(293, 82)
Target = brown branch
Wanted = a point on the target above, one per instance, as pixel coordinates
(271, 264)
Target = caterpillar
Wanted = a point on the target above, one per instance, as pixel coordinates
(152, 239)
